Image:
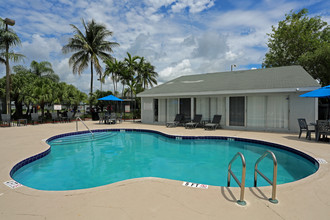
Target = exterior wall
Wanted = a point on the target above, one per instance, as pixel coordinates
(147, 110)
(302, 108)
(265, 112)
(162, 111)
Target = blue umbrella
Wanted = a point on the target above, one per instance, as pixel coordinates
(110, 98)
(318, 93)
(323, 92)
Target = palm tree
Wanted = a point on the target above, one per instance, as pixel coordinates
(111, 70)
(44, 93)
(131, 67)
(89, 47)
(10, 38)
(146, 74)
(44, 69)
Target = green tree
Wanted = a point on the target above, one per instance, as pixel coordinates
(21, 89)
(113, 68)
(301, 40)
(88, 47)
(146, 74)
(44, 93)
(44, 69)
(129, 76)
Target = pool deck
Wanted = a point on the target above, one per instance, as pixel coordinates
(154, 198)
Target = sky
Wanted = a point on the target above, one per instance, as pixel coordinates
(178, 37)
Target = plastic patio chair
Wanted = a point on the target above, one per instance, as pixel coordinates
(304, 127)
(55, 117)
(6, 119)
(70, 116)
(323, 129)
(35, 118)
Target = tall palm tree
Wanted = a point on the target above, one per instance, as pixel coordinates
(44, 69)
(131, 67)
(89, 47)
(112, 68)
(146, 74)
(8, 39)
(8, 36)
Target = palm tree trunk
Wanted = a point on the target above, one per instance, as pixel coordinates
(122, 93)
(91, 91)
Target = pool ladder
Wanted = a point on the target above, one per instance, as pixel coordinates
(79, 119)
(256, 172)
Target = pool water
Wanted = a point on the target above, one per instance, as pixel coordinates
(79, 162)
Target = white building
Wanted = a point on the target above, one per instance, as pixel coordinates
(263, 99)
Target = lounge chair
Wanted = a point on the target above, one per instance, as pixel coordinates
(194, 123)
(214, 124)
(6, 119)
(35, 118)
(304, 127)
(178, 119)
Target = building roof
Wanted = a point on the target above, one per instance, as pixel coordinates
(278, 79)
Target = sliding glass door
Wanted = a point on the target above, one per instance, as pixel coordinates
(237, 111)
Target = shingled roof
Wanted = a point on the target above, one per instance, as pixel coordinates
(278, 79)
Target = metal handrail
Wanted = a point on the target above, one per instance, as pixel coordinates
(78, 118)
(273, 183)
(242, 183)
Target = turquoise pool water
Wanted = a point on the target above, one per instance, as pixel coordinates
(79, 162)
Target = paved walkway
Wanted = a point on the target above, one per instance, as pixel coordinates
(154, 198)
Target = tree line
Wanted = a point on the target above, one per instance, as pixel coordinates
(38, 87)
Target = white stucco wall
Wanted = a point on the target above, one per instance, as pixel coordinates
(147, 110)
(302, 108)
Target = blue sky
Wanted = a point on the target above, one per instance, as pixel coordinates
(179, 37)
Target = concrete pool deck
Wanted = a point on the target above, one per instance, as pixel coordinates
(154, 198)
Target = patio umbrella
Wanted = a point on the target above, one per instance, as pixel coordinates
(323, 92)
(110, 98)
(318, 93)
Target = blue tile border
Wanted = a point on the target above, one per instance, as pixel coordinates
(43, 154)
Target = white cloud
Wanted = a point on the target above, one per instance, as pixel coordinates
(211, 46)
(180, 69)
(40, 48)
(194, 6)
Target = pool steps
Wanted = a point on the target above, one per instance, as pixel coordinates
(82, 138)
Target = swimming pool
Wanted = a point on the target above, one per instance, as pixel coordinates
(78, 161)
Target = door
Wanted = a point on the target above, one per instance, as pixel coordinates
(237, 111)
(185, 108)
